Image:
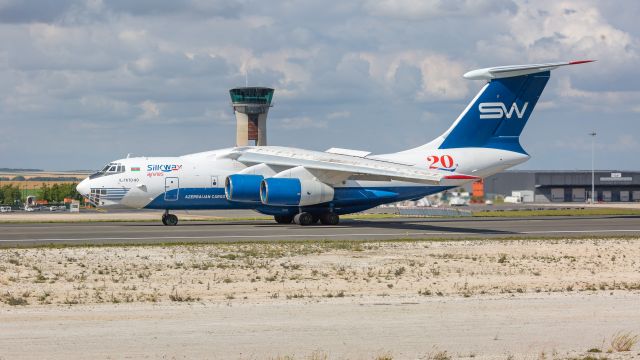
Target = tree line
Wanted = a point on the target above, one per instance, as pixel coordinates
(55, 193)
(40, 178)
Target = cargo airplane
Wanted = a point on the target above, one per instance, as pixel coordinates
(307, 187)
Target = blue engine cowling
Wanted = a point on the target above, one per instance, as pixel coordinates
(282, 192)
(294, 192)
(243, 188)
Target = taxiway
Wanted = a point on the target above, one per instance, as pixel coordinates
(101, 233)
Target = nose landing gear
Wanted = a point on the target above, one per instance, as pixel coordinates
(169, 219)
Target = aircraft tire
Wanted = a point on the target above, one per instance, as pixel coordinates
(164, 220)
(303, 219)
(330, 219)
(171, 220)
(283, 219)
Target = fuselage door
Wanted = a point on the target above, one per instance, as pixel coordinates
(171, 188)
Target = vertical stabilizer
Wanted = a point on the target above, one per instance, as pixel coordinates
(497, 116)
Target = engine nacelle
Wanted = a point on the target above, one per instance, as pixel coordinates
(294, 192)
(243, 188)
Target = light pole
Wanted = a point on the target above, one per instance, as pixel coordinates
(593, 176)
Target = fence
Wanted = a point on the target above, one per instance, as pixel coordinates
(430, 211)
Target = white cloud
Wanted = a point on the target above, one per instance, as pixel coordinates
(440, 76)
(150, 110)
(604, 144)
(561, 30)
(625, 143)
(424, 9)
(546, 105)
(339, 114)
(133, 36)
(599, 100)
(304, 122)
(429, 117)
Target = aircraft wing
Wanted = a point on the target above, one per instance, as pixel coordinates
(333, 168)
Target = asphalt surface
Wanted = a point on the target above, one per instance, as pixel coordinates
(221, 231)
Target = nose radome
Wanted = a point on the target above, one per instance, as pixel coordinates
(83, 188)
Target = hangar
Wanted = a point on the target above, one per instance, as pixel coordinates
(565, 186)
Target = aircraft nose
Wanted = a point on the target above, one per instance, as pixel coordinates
(84, 188)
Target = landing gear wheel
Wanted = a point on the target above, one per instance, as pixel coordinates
(170, 220)
(329, 219)
(303, 219)
(283, 219)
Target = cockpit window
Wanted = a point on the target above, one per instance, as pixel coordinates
(109, 169)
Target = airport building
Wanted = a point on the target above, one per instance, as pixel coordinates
(251, 107)
(565, 186)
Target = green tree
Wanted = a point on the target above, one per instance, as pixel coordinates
(9, 194)
(44, 192)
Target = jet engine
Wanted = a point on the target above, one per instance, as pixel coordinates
(243, 188)
(294, 192)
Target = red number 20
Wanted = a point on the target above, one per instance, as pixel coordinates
(444, 161)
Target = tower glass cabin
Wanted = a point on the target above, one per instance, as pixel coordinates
(251, 106)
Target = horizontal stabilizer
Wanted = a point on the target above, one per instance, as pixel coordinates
(499, 72)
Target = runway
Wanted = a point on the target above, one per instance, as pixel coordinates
(101, 233)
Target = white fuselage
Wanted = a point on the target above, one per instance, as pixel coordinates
(197, 181)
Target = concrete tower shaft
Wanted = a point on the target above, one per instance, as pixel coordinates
(251, 107)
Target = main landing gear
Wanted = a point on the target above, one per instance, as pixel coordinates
(305, 218)
(169, 219)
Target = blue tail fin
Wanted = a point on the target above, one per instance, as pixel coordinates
(496, 117)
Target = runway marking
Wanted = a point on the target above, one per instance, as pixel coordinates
(326, 235)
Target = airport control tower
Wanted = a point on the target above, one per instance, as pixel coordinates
(251, 106)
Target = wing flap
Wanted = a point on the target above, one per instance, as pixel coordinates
(357, 153)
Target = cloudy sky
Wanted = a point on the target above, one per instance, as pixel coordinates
(88, 81)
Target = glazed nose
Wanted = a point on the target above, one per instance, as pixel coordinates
(84, 188)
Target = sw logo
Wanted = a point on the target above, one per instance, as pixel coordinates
(497, 110)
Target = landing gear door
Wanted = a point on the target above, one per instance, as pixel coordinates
(171, 188)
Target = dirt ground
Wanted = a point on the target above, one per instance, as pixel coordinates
(414, 299)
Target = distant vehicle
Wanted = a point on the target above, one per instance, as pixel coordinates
(31, 202)
(29, 209)
(5, 209)
(304, 186)
(53, 208)
(488, 202)
(513, 199)
(457, 201)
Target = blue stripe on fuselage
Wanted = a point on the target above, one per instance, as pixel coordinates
(346, 199)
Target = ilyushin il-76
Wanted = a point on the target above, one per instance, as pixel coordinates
(307, 187)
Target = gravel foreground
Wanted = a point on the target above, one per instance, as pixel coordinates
(518, 299)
